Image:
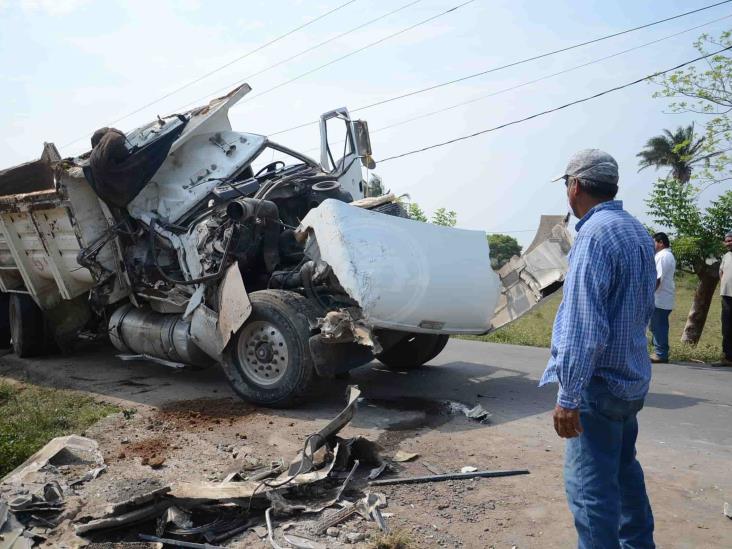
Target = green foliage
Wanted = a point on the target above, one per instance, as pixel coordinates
(503, 248)
(416, 213)
(30, 416)
(535, 328)
(708, 93)
(444, 217)
(698, 233)
(679, 151)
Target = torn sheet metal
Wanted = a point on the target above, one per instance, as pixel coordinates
(528, 280)
(156, 360)
(405, 274)
(345, 325)
(81, 448)
(234, 304)
(206, 153)
(303, 463)
(138, 515)
(215, 491)
(309, 505)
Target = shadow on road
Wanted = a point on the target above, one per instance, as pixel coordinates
(507, 394)
(666, 401)
(409, 400)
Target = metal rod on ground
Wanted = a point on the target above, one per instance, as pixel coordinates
(448, 476)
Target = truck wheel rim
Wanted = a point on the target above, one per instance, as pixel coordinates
(262, 352)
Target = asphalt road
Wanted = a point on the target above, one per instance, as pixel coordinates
(689, 406)
(685, 441)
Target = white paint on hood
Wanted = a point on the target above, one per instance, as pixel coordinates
(405, 274)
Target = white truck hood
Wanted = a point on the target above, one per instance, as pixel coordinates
(407, 275)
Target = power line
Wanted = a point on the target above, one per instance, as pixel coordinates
(547, 77)
(359, 50)
(299, 54)
(535, 80)
(512, 64)
(555, 109)
(225, 65)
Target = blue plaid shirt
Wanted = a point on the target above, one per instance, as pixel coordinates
(600, 327)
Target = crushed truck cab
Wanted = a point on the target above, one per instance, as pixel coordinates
(188, 242)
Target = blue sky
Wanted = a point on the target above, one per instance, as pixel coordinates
(71, 66)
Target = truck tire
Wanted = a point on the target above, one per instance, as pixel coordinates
(27, 326)
(413, 351)
(4, 321)
(268, 361)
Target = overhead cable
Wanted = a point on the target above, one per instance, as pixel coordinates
(511, 64)
(225, 65)
(529, 82)
(549, 111)
(540, 79)
(295, 56)
(362, 48)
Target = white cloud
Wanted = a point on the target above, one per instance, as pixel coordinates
(51, 7)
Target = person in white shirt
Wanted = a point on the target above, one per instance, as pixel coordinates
(725, 283)
(664, 297)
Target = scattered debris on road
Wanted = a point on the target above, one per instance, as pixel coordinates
(324, 494)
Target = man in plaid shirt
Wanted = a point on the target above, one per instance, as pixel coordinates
(599, 358)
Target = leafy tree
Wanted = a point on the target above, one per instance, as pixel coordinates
(503, 248)
(697, 243)
(441, 216)
(679, 151)
(444, 217)
(706, 92)
(416, 213)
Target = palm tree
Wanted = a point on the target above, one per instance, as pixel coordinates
(679, 151)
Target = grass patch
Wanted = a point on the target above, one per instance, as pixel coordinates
(30, 416)
(535, 329)
(392, 540)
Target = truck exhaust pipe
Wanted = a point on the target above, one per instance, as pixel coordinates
(165, 336)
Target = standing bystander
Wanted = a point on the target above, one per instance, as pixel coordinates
(664, 297)
(599, 357)
(725, 277)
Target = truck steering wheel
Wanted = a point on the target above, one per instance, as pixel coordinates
(271, 168)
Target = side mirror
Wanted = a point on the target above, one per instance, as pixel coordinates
(363, 143)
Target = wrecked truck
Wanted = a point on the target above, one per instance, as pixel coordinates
(188, 243)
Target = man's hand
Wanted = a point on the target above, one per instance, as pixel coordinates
(567, 422)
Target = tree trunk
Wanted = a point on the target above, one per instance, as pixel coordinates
(705, 290)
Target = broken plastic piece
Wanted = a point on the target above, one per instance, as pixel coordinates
(402, 456)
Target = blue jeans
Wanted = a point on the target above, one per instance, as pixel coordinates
(603, 479)
(659, 329)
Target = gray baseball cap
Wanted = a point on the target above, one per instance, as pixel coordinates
(592, 164)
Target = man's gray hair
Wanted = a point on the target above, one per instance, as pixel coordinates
(729, 233)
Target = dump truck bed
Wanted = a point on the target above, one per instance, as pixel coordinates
(47, 216)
